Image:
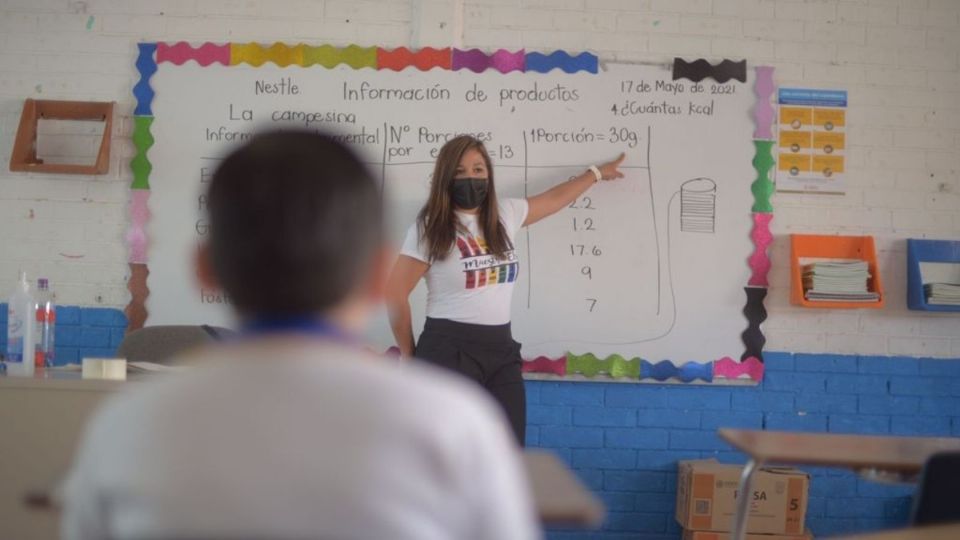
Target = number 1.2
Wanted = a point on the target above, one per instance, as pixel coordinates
(585, 224)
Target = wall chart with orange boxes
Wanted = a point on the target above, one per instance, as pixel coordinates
(812, 140)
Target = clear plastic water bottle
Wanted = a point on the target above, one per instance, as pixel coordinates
(46, 325)
(21, 319)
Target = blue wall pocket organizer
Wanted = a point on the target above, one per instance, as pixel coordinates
(931, 251)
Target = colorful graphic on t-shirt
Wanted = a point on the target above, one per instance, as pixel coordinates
(481, 268)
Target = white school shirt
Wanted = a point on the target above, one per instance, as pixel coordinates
(470, 285)
(298, 438)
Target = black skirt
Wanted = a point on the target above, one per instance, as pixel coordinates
(486, 354)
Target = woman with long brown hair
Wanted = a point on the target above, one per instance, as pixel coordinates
(463, 244)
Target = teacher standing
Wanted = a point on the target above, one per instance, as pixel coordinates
(463, 242)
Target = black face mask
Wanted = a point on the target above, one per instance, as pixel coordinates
(469, 193)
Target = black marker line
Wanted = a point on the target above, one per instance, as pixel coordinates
(504, 165)
(527, 231)
(673, 299)
(383, 166)
(572, 166)
(653, 213)
(499, 165)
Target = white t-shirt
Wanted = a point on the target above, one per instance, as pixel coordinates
(470, 285)
(299, 438)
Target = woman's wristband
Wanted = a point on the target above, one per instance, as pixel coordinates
(596, 173)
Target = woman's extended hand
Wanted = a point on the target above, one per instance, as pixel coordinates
(560, 196)
(611, 169)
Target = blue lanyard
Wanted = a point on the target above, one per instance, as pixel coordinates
(259, 326)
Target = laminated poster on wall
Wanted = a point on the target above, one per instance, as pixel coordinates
(812, 140)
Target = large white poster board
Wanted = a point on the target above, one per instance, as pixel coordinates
(651, 266)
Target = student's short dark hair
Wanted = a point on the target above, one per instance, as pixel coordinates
(295, 220)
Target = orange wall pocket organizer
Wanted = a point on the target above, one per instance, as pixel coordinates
(833, 247)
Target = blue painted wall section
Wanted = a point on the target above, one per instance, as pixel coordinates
(81, 332)
(624, 440)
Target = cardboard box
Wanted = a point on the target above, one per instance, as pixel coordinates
(707, 490)
(713, 535)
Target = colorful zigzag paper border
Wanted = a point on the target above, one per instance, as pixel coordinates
(204, 55)
(146, 67)
(544, 364)
(256, 54)
(762, 187)
(478, 61)
(329, 56)
(357, 57)
(700, 69)
(139, 211)
(763, 113)
(140, 166)
(756, 313)
(614, 366)
(728, 368)
(759, 260)
(665, 370)
(423, 59)
(142, 141)
(544, 63)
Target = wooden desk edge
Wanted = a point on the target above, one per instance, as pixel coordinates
(931, 532)
(733, 437)
(589, 512)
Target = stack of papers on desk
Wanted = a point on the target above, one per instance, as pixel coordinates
(153, 367)
(132, 367)
(942, 293)
(838, 281)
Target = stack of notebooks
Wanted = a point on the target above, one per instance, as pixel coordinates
(942, 293)
(843, 280)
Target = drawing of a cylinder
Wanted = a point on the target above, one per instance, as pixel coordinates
(698, 206)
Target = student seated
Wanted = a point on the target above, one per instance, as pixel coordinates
(292, 430)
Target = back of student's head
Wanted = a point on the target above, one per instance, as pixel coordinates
(295, 224)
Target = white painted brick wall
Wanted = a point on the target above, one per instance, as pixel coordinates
(900, 60)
